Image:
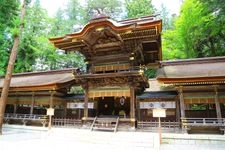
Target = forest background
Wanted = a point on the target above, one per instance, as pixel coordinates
(198, 30)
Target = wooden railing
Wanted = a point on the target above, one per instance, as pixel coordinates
(92, 125)
(155, 124)
(113, 67)
(205, 124)
(66, 122)
(200, 122)
(25, 118)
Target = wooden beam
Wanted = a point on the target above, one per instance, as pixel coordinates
(67, 44)
(110, 75)
(102, 51)
(73, 47)
(112, 56)
(193, 80)
(150, 52)
(111, 60)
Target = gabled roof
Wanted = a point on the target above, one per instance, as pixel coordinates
(120, 26)
(46, 80)
(139, 38)
(202, 71)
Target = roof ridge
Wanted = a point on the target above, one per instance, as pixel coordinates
(193, 61)
(42, 72)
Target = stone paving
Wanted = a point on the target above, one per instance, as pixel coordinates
(36, 138)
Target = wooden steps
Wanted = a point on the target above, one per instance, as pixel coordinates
(105, 124)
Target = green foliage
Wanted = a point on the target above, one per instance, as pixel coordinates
(171, 46)
(167, 19)
(73, 15)
(15, 32)
(36, 53)
(34, 26)
(76, 90)
(199, 31)
(137, 8)
(198, 107)
(107, 7)
(211, 40)
(150, 73)
(8, 13)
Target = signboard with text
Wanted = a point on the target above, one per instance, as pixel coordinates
(158, 112)
(50, 112)
(80, 105)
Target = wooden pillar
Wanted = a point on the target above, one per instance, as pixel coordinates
(65, 109)
(79, 112)
(138, 111)
(177, 110)
(182, 106)
(51, 101)
(132, 100)
(32, 104)
(217, 103)
(132, 106)
(14, 108)
(86, 103)
(50, 106)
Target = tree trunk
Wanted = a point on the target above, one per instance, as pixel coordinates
(6, 84)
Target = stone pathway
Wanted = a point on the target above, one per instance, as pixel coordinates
(36, 138)
(70, 139)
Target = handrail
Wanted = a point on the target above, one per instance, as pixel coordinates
(93, 123)
(117, 123)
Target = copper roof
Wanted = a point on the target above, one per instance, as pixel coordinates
(193, 70)
(40, 80)
(157, 95)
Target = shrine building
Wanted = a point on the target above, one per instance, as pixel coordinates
(116, 92)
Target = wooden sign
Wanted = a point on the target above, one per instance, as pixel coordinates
(79, 105)
(50, 112)
(163, 104)
(158, 112)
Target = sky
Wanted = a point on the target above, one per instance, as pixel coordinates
(52, 5)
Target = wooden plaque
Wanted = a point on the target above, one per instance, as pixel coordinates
(158, 112)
